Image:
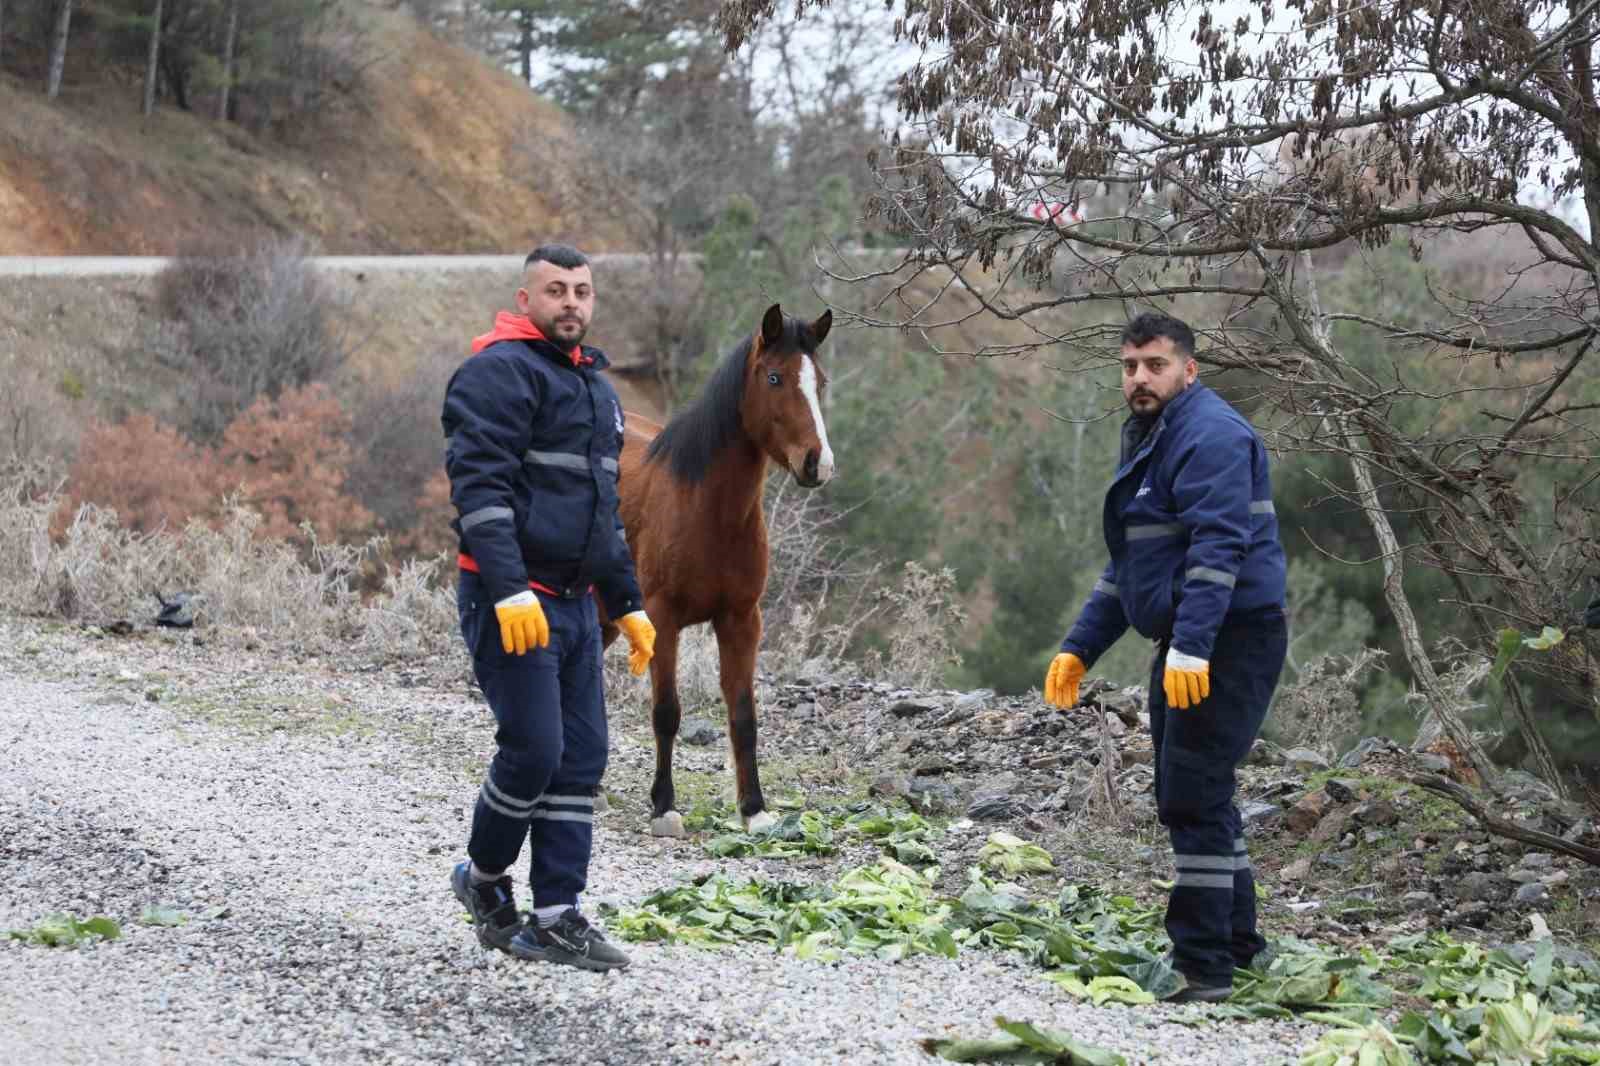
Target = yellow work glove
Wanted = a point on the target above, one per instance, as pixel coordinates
(1187, 680)
(641, 640)
(522, 623)
(1061, 683)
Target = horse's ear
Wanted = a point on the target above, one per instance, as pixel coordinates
(819, 328)
(772, 327)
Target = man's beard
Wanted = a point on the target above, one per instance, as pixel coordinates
(553, 332)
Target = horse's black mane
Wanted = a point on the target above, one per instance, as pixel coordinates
(695, 435)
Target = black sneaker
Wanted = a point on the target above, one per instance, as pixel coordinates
(491, 906)
(1197, 993)
(571, 940)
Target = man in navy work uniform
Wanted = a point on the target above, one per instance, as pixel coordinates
(534, 434)
(1196, 566)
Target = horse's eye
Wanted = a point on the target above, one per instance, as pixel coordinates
(774, 379)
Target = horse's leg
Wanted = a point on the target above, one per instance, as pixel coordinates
(738, 637)
(665, 714)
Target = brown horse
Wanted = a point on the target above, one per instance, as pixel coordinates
(691, 506)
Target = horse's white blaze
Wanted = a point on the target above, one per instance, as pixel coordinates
(808, 385)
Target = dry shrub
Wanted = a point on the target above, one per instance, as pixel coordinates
(286, 458)
(238, 326)
(289, 456)
(924, 615)
(149, 474)
(415, 613)
(41, 411)
(247, 587)
(430, 530)
(398, 444)
(1322, 709)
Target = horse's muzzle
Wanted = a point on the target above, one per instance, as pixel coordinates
(809, 476)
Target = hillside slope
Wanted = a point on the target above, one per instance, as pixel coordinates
(427, 154)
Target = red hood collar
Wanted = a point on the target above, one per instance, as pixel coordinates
(510, 327)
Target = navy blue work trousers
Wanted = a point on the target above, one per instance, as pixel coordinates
(1211, 913)
(550, 736)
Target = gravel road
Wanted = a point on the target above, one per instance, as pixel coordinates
(304, 820)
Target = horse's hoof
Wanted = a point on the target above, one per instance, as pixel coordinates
(668, 825)
(759, 822)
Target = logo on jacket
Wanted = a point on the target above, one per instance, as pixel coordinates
(617, 409)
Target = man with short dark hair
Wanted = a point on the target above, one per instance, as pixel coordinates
(1197, 567)
(535, 434)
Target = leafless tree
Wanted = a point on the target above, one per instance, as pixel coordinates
(1224, 158)
(58, 49)
(230, 38)
(150, 68)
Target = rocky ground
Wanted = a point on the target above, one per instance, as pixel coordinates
(298, 818)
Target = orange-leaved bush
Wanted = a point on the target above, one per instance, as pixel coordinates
(288, 458)
(149, 473)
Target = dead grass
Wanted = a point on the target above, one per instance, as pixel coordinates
(248, 590)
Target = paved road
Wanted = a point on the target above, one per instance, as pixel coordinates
(84, 266)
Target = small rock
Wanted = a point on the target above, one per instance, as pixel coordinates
(1146, 855)
(1115, 726)
(1482, 886)
(1474, 914)
(1255, 812)
(1337, 859)
(1332, 827)
(1378, 812)
(1296, 870)
(1537, 860)
(1263, 753)
(1059, 800)
(930, 795)
(1373, 836)
(889, 785)
(1417, 901)
(932, 764)
(1305, 814)
(1126, 704)
(909, 709)
(699, 732)
(1555, 880)
(1305, 760)
(1341, 789)
(1534, 893)
(1524, 877)
(1368, 746)
(989, 805)
(972, 702)
(1046, 762)
(1139, 756)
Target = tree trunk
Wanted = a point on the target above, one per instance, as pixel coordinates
(1440, 712)
(58, 49)
(525, 45)
(150, 64)
(1527, 727)
(227, 60)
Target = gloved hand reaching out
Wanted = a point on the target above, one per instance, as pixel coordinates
(1061, 683)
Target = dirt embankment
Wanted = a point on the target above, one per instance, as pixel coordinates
(427, 153)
